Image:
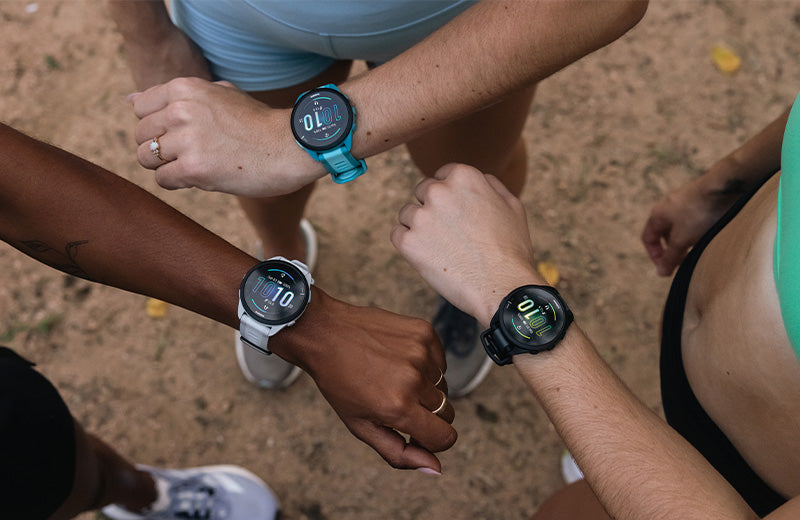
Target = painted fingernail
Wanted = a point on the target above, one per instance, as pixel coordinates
(429, 471)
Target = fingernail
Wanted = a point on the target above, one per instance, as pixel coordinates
(429, 471)
(129, 97)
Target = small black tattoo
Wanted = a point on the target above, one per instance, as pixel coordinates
(66, 261)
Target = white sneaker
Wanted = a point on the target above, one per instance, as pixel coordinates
(570, 471)
(265, 370)
(309, 239)
(268, 370)
(209, 493)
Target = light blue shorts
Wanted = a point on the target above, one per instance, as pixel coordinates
(270, 44)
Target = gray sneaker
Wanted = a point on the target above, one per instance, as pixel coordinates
(208, 493)
(467, 361)
(264, 370)
(268, 370)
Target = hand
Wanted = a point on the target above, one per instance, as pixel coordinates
(468, 237)
(381, 372)
(678, 221)
(216, 137)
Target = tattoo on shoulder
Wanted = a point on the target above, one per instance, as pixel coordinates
(64, 261)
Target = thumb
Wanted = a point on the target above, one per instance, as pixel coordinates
(393, 447)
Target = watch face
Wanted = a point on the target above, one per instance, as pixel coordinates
(322, 119)
(533, 317)
(275, 292)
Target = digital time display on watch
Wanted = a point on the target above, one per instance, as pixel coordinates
(275, 292)
(321, 119)
(531, 317)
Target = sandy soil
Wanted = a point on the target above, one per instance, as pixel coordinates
(607, 137)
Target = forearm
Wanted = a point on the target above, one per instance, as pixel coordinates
(737, 172)
(82, 219)
(488, 51)
(637, 465)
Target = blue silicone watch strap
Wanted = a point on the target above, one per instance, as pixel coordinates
(339, 162)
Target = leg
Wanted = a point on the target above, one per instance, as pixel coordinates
(277, 219)
(576, 501)
(103, 477)
(490, 139)
(54, 469)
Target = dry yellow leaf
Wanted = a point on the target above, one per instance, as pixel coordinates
(549, 271)
(156, 308)
(725, 58)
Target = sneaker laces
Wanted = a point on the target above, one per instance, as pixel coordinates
(193, 498)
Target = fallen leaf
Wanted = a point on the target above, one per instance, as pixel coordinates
(725, 58)
(156, 308)
(549, 271)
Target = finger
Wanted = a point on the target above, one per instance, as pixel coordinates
(447, 413)
(439, 359)
(155, 152)
(406, 214)
(443, 408)
(442, 385)
(150, 126)
(433, 432)
(673, 255)
(151, 100)
(393, 447)
(397, 235)
(421, 189)
(445, 171)
(169, 177)
(654, 231)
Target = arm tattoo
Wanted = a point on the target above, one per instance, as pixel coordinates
(66, 261)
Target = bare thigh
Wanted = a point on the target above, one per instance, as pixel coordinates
(576, 501)
(276, 219)
(489, 139)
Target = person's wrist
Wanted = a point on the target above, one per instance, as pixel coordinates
(723, 181)
(297, 344)
(506, 280)
(287, 155)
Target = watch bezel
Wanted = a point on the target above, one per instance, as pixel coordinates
(563, 313)
(347, 129)
(295, 271)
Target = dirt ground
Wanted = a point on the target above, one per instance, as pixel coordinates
(607, 138)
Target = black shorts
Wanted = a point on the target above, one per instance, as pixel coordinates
(681, 407)
(37, 442)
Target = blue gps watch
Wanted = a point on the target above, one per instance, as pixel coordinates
(323, 122)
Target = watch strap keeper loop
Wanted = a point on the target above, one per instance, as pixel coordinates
(252, 336)
(341, 164)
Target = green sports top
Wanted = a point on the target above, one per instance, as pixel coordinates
(786, 255)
